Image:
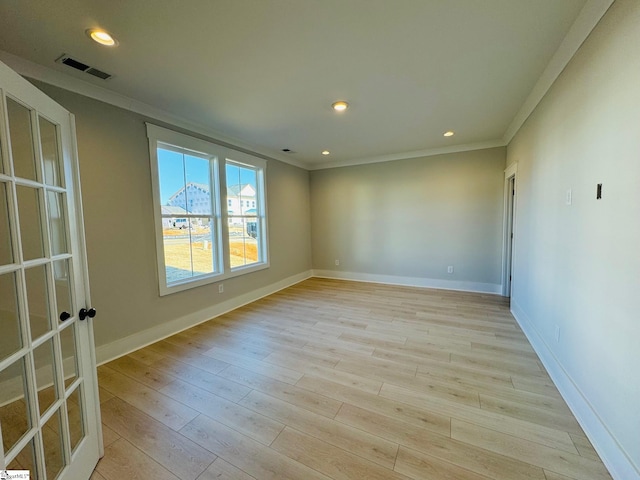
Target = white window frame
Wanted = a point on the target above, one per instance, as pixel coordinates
(165, 138)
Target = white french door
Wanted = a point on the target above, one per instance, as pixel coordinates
(49, 417)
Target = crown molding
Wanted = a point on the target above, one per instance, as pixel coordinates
(67, 82)
(53, 77)
(408, 155)
(588, 18)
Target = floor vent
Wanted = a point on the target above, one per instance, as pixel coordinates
(83, 67)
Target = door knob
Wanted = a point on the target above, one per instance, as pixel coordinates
(84, 313)
(65, 316)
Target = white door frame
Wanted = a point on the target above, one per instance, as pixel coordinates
(509, 227)
(22, 90)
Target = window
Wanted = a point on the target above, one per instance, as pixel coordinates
(246, 226)
(197, 241)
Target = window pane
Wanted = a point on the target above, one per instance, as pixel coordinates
(202, 247)
(189, 250)
(198, 188)
(177, 250)
(233, 195)
(243, 209)
(185, 183)
(185, 189)
(243, 241)
(170, 173)
(241, 190)
(248, 192)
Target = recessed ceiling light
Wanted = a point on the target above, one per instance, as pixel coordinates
(326, 152)
(449, 133)
(340, 106)
(102, 37)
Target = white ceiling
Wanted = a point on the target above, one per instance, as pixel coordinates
(263, 73)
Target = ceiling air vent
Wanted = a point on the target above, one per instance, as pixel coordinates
(83, 67)
(98, 73)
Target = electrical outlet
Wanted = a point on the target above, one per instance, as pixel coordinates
(557, 333)
(450, 269)
(568, 198)
(221, 288)
(337, 262)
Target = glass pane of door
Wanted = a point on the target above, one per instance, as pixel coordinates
(29, 210)
(53, 445)
(21, 135)
(37, 300)
(45, 375)
(62, 281)
(53, 169)
(57, 227)
(15, 420)
(25, 460)
(10, 340)
(6, 250)
(74, 413)
(69, 360)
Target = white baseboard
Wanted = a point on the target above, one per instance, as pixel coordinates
(477, 287)
(113, 350)
(620, 466)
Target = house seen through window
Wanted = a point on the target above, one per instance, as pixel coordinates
(242, 183)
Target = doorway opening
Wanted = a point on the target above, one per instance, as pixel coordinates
(509, 229)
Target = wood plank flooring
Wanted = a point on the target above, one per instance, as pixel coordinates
(341, 380)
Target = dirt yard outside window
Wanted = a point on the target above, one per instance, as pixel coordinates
(185, 258)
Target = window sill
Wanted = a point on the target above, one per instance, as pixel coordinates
(211, 278)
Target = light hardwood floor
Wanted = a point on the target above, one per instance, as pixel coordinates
(343, 380)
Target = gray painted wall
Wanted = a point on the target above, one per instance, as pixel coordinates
(118, 212)
(412, 218)
(577, 267)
